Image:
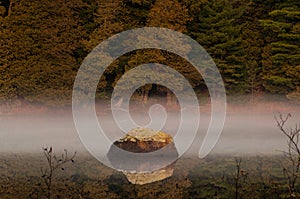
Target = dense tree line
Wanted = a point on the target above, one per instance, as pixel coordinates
(255, 44)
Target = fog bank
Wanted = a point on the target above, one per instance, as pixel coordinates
(243, 133)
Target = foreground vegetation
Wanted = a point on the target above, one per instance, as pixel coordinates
(213, 177)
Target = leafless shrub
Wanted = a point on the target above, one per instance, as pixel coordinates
(291, 172)
(53, 164)
(239, 177)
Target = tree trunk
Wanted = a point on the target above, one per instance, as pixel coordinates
(145, 97)
(9, 8)
(169, 98)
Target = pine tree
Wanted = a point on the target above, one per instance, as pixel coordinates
(253, 43)
(282, 53)
(218, 29)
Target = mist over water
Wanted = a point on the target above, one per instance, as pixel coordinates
(244, 132)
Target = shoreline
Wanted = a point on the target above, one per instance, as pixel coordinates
(103, 108)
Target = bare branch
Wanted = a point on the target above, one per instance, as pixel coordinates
(53, 163)
(293, 153)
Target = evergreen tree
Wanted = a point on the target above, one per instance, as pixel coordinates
(218, 29)
(282, 53)
(253, 43)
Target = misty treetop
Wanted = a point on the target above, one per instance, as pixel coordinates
(255, 44)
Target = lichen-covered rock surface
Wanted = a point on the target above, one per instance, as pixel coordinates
(143, 140)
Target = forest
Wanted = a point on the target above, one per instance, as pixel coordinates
(255, 44)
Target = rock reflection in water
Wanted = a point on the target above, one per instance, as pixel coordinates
(140, 166)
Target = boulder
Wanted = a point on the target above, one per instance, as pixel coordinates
(143, 140)
(140, 168)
